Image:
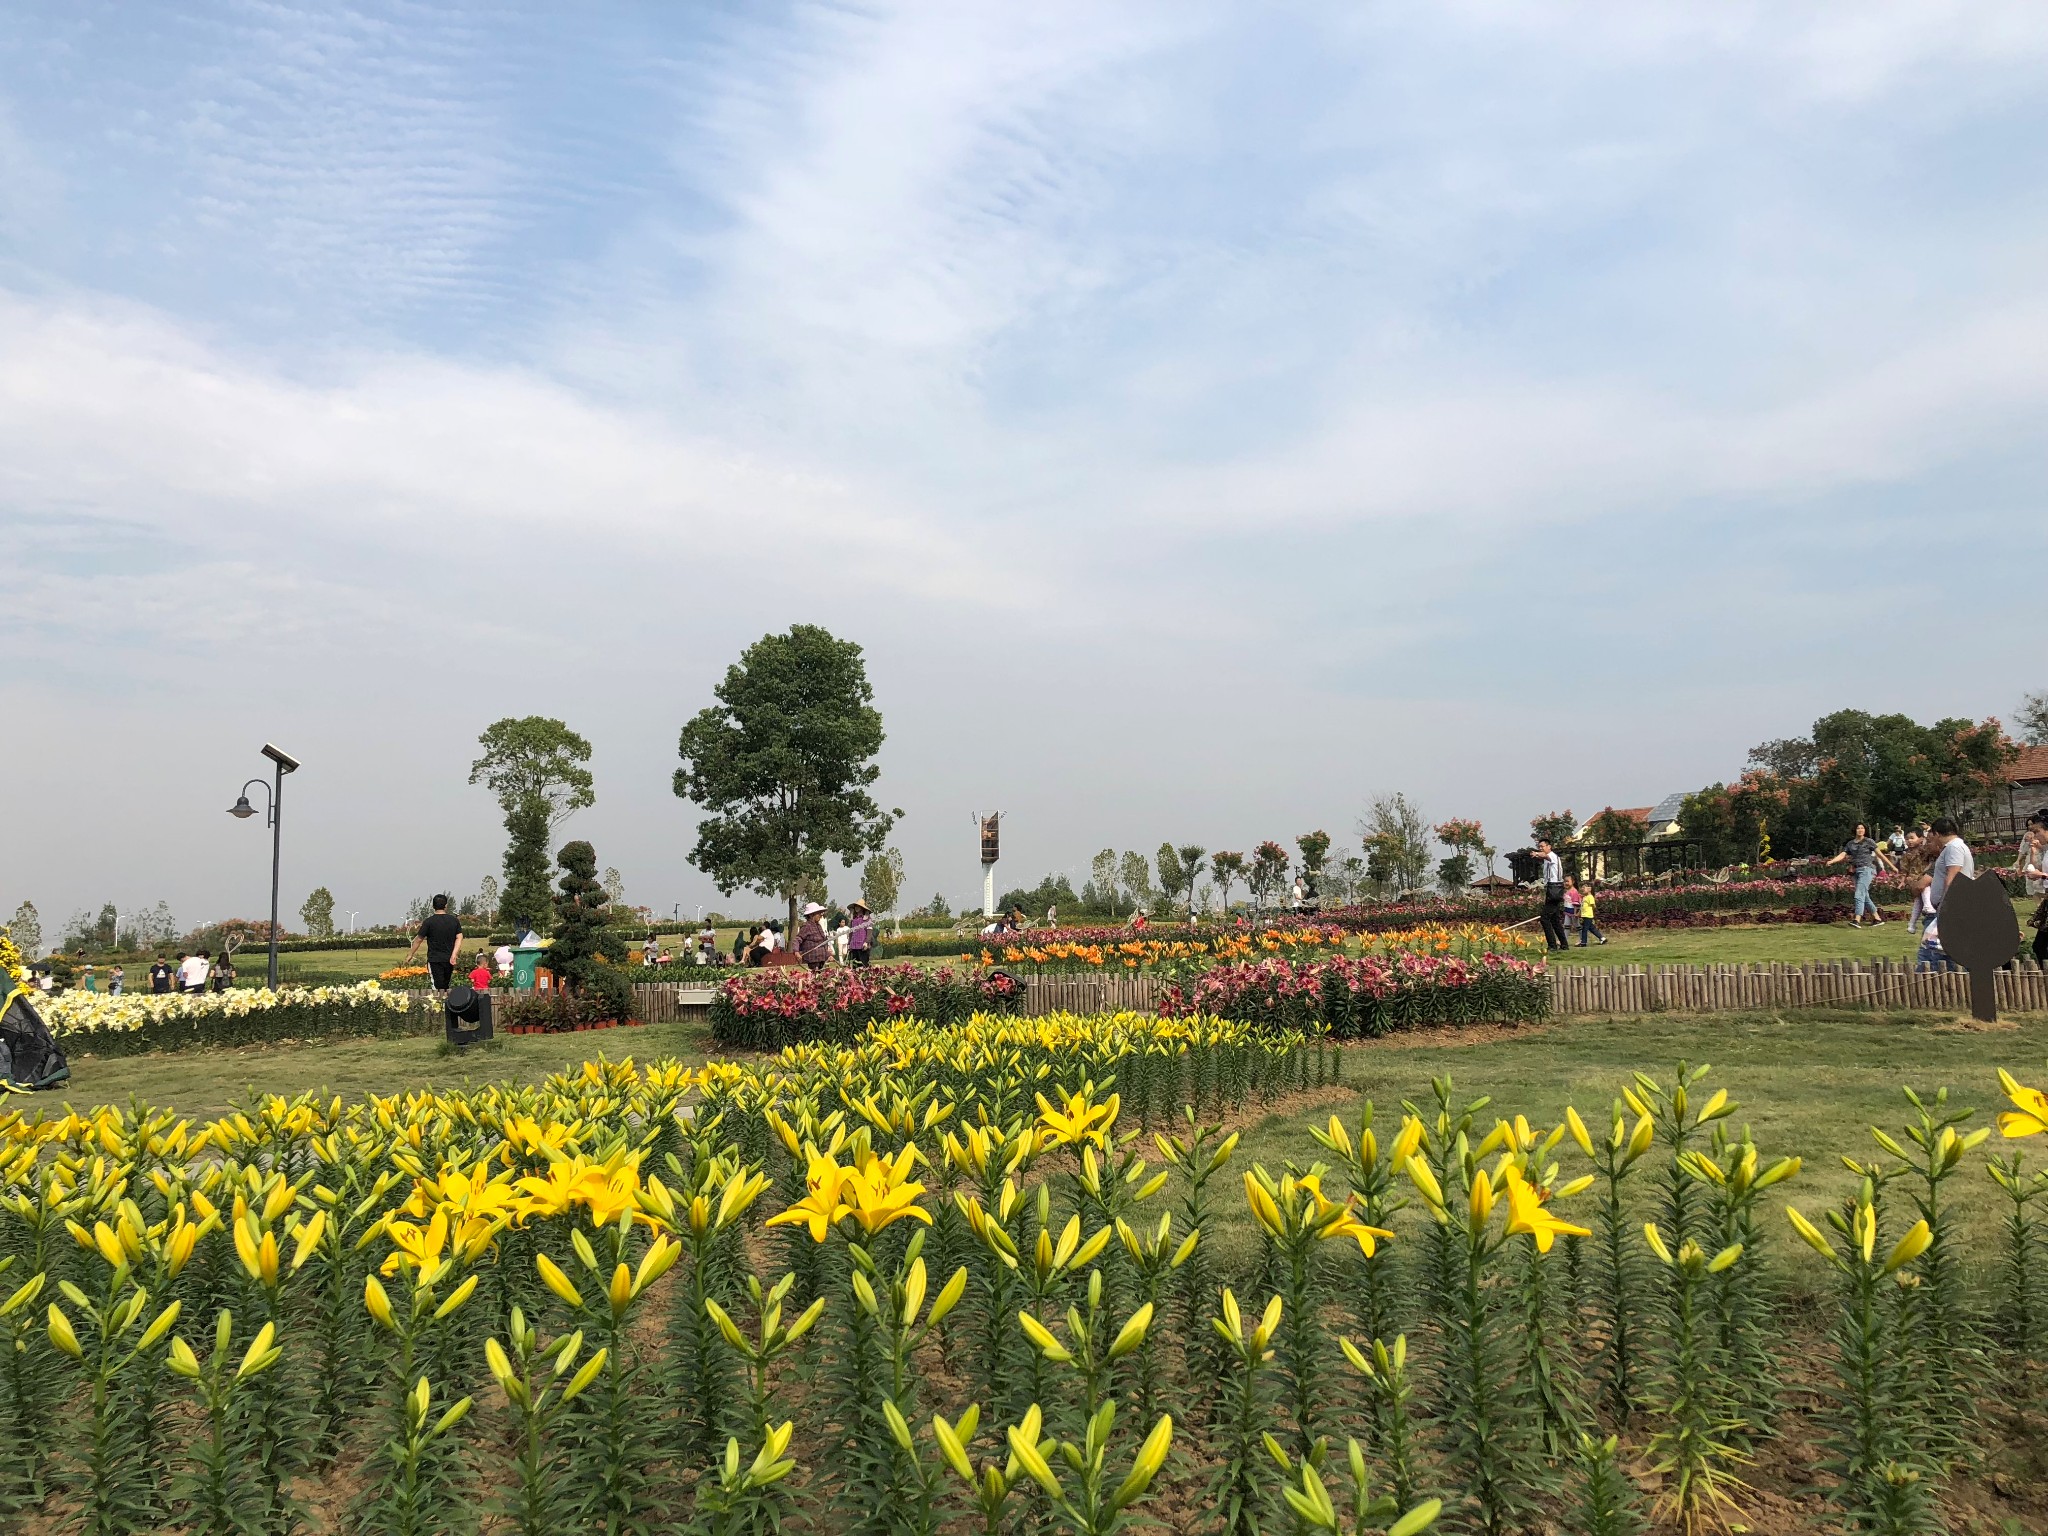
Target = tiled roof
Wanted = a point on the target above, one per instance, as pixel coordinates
(2030, 767)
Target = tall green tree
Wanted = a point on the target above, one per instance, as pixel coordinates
(1135, 875)
(1228, 868)
(2032, 719)
(1190, 856)
(317, 913)
(1315, 848)
(782, 765)
(536, 768)
(27, 927)
(1397, 839)
(1559, 826)
(1266, 873)
(1102, 874)
(881, 882)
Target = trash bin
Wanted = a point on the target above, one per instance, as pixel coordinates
(525, 957)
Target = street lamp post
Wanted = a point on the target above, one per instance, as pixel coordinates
(242, 810)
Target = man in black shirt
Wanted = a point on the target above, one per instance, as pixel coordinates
(160, 976)
(442, 934)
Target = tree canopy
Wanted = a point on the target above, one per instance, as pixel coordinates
(535, 760)
(535, 766)
(782, 765)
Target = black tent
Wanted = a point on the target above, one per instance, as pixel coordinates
(29, 1054)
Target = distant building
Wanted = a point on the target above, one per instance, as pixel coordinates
(1662, 818)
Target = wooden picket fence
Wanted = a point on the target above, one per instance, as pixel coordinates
(1764, 987)
(1589, 989)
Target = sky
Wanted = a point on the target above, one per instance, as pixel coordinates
(1206, 416)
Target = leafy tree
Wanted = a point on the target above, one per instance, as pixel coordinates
(27, 928)
(1467, 838)
(1315, 849)
(1966, 763)
(1227, 867)
(1612, 826)
(1171, 876)
(1103, 875)
(1135, 875)
(487, 899)
(1559, 826)
(528, 894)
(938, 907)
(1455, 873)
(535, 759)
(318, 913)
(1190, 857)
(1267, 872)
(535, 766)
(582, 910)
(1343, 881)
(1731, 822)
(614, 887)
(1053, 890)
(1397, 837)
(2032, 718)
(782, 763)
(881, 881)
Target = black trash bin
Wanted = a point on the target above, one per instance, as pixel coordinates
(467, 1014)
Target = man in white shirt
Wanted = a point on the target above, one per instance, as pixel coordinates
(1952, 858)
(1553, 895)
(192, 973)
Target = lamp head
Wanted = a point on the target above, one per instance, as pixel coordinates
(241, 810)
(282, 758)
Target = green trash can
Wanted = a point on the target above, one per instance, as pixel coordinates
(525, 958)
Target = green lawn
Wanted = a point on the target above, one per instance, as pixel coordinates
(205, 1083)
(1808, 1085)
(1792, 942)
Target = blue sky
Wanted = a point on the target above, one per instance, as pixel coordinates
(1208, 416)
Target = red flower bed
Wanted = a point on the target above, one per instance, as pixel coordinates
(768, 1009)
(1366, 997)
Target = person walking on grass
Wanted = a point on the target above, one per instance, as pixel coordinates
(813, 946)
(2033, 868)
(1571, 909)
(193, 971)
(442, 934)
(860, 935)
(116, 980)
(1587, 923)
(1553, 895)
(1865, 858)
(1952, 857)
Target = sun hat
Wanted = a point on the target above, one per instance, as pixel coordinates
(812, 908)
(856, 902)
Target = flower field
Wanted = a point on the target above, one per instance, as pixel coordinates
(777, 1006)
(136, 1022)
(1371, 995)
(1012, 1275)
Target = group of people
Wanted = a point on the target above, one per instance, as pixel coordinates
(849, 940)
(1566, 908)
(1931, 856)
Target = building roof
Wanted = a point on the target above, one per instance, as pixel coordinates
(2030, 767)
(1639, 812)
(1667, 809)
